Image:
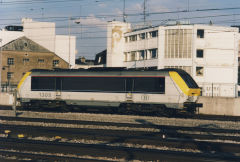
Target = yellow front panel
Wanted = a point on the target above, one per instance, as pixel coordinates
(183, 86)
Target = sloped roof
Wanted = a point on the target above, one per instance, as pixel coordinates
(25, 45)
(101, 55)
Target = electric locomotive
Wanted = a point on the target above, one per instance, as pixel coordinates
(115, 88)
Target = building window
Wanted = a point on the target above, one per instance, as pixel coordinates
(9, 75)
(99, 60)
(126, 39)
(40, 60)
(199, 71)
(200, 33)
(133, 38)
(133, 56)
(10, 61)
(199, 53)
(55, 63)
(178, 43)
(125, 56)
(25, 60)
(153, 53)
(153, 34)
(142, 36)
(142, 54)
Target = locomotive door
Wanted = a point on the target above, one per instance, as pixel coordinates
(58, 88)
(129, 83)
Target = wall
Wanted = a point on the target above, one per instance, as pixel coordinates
(115, 43)
(8, 36)
(220, 106)
(142, 63)
(42, 33)
(219, 62)
(62, 44)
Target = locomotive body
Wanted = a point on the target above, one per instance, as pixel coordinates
(172, 88)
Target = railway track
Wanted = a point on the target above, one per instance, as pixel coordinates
(156, 139)
(39, 157)
(113, 141)
(99, 151)
(182, 115)
(170, 130)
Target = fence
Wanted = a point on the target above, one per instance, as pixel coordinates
(8, 87)
(219, 89)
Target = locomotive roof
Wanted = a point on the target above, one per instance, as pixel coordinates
(116, 72)
(109, 71)
(112, 69)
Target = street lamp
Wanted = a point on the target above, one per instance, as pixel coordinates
(69, 43)
(8, 87)
(124, 11)
(77, 21)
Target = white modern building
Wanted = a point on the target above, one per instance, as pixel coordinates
(208, 53)
(44, 33)
(8, 36)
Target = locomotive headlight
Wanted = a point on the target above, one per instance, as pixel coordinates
(192, 98)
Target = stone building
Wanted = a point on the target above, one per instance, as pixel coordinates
(22, 55)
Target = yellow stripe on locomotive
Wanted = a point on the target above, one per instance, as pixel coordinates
(22, 80)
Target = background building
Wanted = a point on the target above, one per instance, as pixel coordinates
(44, 34)
(115, 43)
(100, 58)
(22, 55)
(9, 34)
(208, 53)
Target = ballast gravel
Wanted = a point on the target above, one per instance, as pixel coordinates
(127, 119)
(154, 121)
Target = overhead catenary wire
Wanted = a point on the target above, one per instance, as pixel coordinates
(13, 2)
(36, 1)
(113, 15)
(60, 20)
(135, 14)
(134, 22)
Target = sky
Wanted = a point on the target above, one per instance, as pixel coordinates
(93, 16)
